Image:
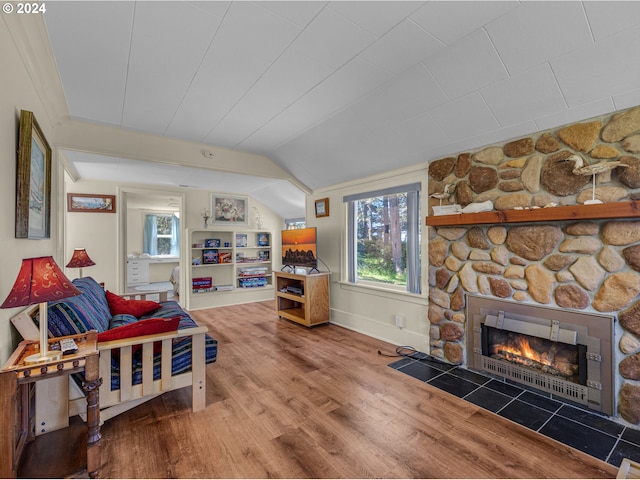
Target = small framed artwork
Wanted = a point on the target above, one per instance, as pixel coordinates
(229, 209)
(322, 207)
(87, 202)
(33, 183)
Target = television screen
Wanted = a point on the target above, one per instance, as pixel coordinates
(299, 248)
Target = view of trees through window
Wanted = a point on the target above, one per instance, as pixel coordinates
(381, 239)
(164, 234)
(295, 224)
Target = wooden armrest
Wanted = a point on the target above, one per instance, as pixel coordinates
(628, 469)
(25, 324)
(155, 337)
(143, 295)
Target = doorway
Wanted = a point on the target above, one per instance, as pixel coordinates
(148, 263)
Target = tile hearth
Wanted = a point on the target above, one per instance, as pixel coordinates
(583, 430)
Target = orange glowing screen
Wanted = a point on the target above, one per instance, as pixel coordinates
(296, 242)
(302, 236)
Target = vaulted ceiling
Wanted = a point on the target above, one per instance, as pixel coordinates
(334, 91)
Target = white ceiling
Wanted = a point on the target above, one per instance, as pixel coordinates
(333, 91)
(280, 195)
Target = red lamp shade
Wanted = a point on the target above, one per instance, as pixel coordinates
(40, 280)
(80, 259)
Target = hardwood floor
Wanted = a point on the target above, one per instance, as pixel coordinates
(284, 401)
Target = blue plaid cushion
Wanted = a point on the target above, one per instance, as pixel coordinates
(180, 348)
(121, 319)
(180, 361)
(79, 314)
(97, 296)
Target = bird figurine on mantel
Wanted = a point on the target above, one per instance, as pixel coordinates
(579, 168)
(446, 193)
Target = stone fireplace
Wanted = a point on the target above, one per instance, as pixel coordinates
(567, 354)
(578, 265)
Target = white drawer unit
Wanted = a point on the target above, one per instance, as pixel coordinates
(137, 271)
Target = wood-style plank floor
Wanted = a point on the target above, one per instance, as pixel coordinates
(284, 401)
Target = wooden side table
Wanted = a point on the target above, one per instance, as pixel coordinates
(17, 398)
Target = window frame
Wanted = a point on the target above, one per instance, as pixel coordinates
(295, 223)
(413, 190)
(157, 235)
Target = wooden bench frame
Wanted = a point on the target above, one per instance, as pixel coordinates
(57, 399)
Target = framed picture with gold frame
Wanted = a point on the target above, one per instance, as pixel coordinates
(322, 207)
(33, 182)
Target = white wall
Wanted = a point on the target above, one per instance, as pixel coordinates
(100, 233)
(22, 44)
(368, 310)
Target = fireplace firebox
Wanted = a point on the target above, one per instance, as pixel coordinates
(566, 353)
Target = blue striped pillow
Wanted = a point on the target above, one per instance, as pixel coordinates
(81, 313)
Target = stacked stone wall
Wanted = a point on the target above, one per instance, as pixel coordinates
(582, 265)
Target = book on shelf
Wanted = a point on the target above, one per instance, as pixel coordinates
(202, 284)
(210, 256)
(252, 271)
(224, 257)
(262, 240)
(244, 259)
(252, 282)
(203, 290)
(241, 239)
(212, 242)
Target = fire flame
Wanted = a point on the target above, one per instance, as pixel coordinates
(551, 358)
(521, 348)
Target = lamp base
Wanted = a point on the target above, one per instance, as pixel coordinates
(39, 358)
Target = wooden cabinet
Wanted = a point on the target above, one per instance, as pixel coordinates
(229, 266)
(303, 298)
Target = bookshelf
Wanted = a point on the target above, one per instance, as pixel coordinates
(229, 266)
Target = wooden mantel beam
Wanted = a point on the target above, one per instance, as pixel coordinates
(537, 215)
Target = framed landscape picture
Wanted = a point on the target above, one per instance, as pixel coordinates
(33, 183)
(87, 202)
(229, 209)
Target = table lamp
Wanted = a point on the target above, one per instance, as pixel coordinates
(40, 280)
(80, 259)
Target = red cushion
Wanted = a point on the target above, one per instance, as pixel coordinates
(141, 327)
(137, 308)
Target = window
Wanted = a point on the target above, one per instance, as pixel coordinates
(161, 234)
(384, 237)
(295, 223)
